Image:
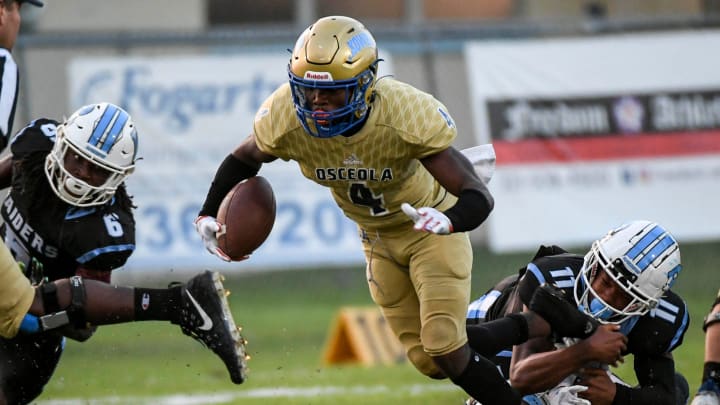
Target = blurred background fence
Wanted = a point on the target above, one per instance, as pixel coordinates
(600, 111)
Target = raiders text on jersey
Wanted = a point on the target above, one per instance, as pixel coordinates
(24, 231)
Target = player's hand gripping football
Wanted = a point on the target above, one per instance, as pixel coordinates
(566, 395)
(428, 219)
(208, 227)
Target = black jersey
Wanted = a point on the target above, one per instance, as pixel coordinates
(38, 225)
(659, 331)
(650, 337)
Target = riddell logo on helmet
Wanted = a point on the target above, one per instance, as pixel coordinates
(320, 76)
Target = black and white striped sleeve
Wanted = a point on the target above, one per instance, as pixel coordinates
(8, 95)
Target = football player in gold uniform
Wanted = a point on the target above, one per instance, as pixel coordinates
(384, 149)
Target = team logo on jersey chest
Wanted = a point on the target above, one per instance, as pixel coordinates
(352, 160)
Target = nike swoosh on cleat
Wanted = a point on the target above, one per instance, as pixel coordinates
(207, 322)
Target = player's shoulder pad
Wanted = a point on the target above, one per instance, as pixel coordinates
(103, 251)
(663, 328)
(559, 269)
(38, 135)
(275, 118)
(417, 116)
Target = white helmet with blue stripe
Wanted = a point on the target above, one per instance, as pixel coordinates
(641, 257)
(103, 134)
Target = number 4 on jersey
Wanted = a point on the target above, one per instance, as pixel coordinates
(360, 194)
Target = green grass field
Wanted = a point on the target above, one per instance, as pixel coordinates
(286, 318)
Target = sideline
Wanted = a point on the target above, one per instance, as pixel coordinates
(278, 392)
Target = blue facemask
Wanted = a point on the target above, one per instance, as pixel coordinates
(600, 311)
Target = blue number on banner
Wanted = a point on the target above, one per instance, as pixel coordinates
(290, 234)
(161, 237)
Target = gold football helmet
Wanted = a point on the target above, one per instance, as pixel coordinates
(333, 53)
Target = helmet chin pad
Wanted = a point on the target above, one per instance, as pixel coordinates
(76, 186)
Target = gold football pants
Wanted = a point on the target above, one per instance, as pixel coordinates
(421, 282)
(16, 294)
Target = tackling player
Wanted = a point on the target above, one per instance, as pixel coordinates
(624, 283)
(68, 215)
(382, 147)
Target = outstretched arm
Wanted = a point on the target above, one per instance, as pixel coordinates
(244, 162)
(457, 175)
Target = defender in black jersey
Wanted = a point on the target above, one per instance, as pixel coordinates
(623, 282)
(68, 222)
(67, 214)
(53, 234)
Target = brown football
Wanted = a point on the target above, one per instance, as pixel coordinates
(247, 215)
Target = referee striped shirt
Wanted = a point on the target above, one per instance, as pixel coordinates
(8, 95)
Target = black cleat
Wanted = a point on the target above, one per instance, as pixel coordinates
(205, 315)
(565, 319)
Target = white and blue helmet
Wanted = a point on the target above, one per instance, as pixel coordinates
(641, 257)
(102, 133)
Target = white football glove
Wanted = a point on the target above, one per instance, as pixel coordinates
(706, 398)
(428, 219)
(208, 227)
(566, 395)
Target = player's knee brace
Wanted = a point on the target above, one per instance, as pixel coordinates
(55, 317)
(441, 333)
(424, 363)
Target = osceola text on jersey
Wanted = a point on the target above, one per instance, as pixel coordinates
(353, 173)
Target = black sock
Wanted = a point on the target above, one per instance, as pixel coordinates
(152, 304)
(711, 370)
(482, 380)
(492, 337)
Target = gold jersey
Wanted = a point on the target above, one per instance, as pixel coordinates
(16, 294)
(375, 170)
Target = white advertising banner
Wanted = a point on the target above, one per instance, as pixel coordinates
(592, 132)
(572, 204)
(191, 111)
